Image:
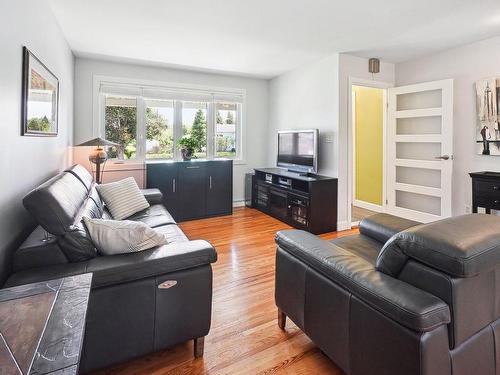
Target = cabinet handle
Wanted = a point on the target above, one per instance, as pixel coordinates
(193, 167)
(495, 187)
(496, 201)
(173, 185)
(210, 181)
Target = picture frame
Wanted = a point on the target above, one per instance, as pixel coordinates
(40, 98)
(488, 116)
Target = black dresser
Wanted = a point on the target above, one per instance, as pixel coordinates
(307, 202)
(193, 189)
(485, 191)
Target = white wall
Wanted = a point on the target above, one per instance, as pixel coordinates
(307, 98)
(352, 67)
(256, 104)
(465, 65)
(316, 96)
(27, 161)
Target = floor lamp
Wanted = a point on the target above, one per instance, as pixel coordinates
(98, 156)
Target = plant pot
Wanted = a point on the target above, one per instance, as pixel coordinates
(186, 154)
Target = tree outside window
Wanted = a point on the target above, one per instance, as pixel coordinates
(121, 126)
(159, 129)
(225, 129)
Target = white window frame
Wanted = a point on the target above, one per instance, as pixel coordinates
(217, 95)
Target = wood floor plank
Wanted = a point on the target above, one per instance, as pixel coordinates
(244, 337)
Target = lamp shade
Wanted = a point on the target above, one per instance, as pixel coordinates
(98, 142)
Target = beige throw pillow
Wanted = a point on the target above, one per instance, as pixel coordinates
(112, 237)
(123, 198)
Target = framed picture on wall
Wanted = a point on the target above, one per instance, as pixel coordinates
(40, 98)
(488, 116)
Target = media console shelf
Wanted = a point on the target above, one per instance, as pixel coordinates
(306, 202)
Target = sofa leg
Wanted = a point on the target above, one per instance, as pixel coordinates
(281, 319)
(199, 345)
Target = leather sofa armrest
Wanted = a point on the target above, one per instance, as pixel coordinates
(117, 269)
(402, 302)
(153, 196)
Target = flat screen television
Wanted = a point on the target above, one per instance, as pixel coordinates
(298, 150)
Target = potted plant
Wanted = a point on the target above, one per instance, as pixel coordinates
(188, 146)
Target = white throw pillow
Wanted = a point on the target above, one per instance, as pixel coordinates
(112, 237)
(123, 198)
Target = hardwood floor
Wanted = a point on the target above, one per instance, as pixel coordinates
(244, 337)
(358, 213)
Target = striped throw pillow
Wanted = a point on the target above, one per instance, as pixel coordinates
(113, 237)
(123, 198)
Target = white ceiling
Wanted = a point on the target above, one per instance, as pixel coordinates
(266, 38)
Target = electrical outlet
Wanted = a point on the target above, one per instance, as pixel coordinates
(468, 209)
(328, 140)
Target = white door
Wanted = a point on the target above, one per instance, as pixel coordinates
(420, 150)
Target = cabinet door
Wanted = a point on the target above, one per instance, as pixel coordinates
(163, 176)
(220, 187)
(192, 190)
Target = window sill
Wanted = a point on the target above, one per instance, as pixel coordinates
(139, 163)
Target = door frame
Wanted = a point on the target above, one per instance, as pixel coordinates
(445, 139)
(354, 81)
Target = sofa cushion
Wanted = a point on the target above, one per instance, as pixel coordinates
(123, 198)
(461, 246)
(37, 251)
(153, 196)
(83, 175)
(382, 226)
(361, 245)
(172, 233)
(154, 216)
(113, 237)
(76, 242)
(56, 203)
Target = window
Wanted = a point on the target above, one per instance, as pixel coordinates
(121, 125)
(148, 122)
(226, 125)
(194, 124)
(159, 129)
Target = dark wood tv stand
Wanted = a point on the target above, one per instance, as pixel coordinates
(306, 202)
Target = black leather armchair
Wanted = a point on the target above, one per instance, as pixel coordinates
(398, 298)
(139, 302)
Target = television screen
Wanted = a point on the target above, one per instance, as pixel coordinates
(297, 149)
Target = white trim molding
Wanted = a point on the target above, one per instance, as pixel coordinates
(353, 81)
(368, 205)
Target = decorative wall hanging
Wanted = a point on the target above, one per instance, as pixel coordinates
(488, 116)
(40, 98)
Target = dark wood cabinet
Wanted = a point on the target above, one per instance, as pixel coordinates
(220, 187)
(306, 202)
(485, 191)
(164, 176)
(193, 189)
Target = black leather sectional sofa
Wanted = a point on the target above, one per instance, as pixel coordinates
(398, 298)
(133, 308)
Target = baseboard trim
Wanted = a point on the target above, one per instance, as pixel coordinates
(343, 225)
(239, 204)
(368, 206)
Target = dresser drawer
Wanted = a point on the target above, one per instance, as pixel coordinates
(490, 189)
(487, 193)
